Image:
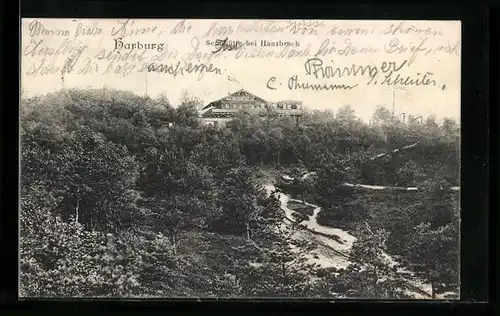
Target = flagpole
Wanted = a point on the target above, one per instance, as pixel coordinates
(231, 79)
(393, 102)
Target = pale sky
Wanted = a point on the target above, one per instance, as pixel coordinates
(49, 44)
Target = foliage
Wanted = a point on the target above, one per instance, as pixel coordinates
(60, 258)
(371, 273)
(95, 179)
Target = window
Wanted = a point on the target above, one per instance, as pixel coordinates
(293, 106)
(280, 106)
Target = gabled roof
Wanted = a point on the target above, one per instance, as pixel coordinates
(204, 110)
(236, 92)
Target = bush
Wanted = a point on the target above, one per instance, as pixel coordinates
(301, 208)
(299, 217)
(61, 259)
(330, 217)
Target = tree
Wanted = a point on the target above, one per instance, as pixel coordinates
(188, 98)
(432, 130)
(320, 156)
(303, 181)
(346, 115)
(187, 115)
(451, 128)
(219, 151)
(275, 140)
(333, 194)
(302, 145)
(177, 195)
(281, 268)
(409, 174)
(95, 179)
(433, 245)
(435, 256)
(239, 203)
(382, 116)
(257, 143)
(61, 259)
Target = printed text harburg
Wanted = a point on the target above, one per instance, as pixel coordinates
(119, 44)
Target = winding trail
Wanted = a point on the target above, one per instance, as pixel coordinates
(343, 241)
(367, 186)
(381, 187)
(394, 151)
(332, 244)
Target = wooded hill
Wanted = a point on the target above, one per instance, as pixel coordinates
(115, 201)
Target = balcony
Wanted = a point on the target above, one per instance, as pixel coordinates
(232, 112)
(226, 110)
(288, 112)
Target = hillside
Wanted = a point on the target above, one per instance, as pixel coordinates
(127, 196)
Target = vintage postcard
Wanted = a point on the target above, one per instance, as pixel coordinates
(240, 159)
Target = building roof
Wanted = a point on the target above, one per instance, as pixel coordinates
(236, 92)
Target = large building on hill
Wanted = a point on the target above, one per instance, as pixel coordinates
(221, 111)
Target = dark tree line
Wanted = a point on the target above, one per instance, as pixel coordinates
(125, 195)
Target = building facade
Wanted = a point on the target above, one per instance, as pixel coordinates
(222, 111)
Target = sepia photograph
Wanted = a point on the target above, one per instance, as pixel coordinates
(240, 159)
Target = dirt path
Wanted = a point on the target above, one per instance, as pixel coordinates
(333, 245)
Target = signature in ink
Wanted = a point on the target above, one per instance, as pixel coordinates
(225, 45)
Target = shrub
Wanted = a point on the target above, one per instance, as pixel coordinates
(61, 259)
